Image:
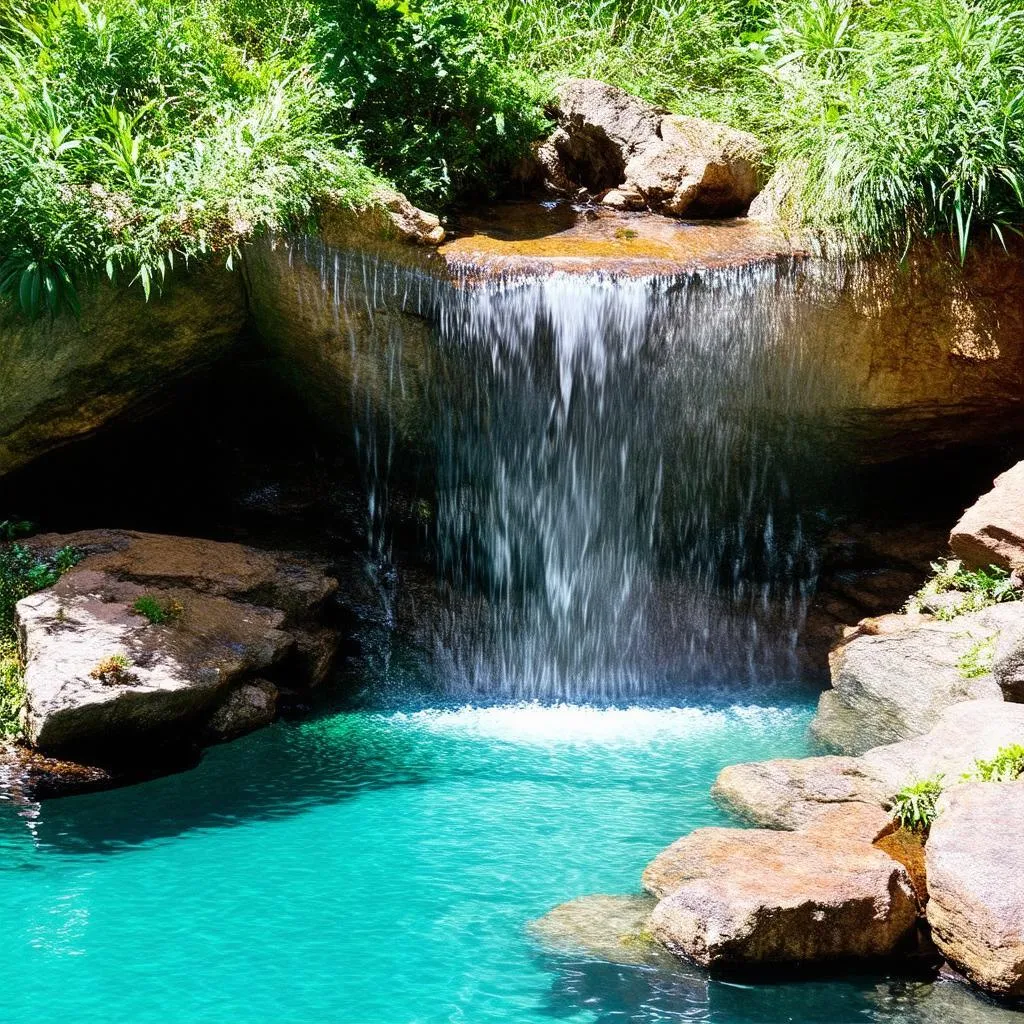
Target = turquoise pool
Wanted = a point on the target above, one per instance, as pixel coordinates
(379, 867)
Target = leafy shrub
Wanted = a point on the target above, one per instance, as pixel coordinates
(914, 805)
(1007, 765)
(21, 573)
(973, 589)
(158, 612)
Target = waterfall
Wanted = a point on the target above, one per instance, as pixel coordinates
(616, 466)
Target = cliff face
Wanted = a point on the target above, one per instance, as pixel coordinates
(62, 379)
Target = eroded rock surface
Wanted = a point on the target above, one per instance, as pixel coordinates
(636, 156)
(975, 862)
(991, 531)
(894, 675)
(737, 898)
(104, 683)
(64, 378)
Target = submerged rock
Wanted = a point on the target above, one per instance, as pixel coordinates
(639, 156)
(894, 675)
(975, 861)
(105, 684)
(612, 928)
(991, 531)
(743, 899)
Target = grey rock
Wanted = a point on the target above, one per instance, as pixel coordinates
(895, 675)
(247, 707)
(975, 861)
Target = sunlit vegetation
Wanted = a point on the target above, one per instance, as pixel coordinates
(137, 136)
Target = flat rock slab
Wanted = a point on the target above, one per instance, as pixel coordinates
(991, 531)
(744, 899)
(235, 614)
(799, 793)
(975, 863)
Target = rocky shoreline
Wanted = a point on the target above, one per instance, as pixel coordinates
(826, 878)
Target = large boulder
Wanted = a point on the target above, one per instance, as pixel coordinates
(106, 684)
(991, 531)
(63, 378)
(893, 676)
(750, 898)
(975, 861)
(635, 155)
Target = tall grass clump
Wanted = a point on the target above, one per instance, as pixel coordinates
(137, 135)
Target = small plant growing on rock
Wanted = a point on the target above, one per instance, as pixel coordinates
(977, 660)
(1006, 766)
(954, 590)
(158, 612)
(114, 671)
(914, 805)
(625, 234)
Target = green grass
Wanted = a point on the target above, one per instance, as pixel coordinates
(138, 135)
(914, 806)
(158, 612)
(977, 660)
(952, 590)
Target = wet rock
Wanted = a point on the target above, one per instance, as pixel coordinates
(640, 156)
(106, 685)
(63, 379)
(991, 531)
(975, 859)
(247, 707)
(894, 675)
(612, 928)
(738, 898)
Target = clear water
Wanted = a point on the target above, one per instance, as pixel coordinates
(380, 867)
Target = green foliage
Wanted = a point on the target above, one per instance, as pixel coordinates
(965, 590)
(425, 94)
(12, 688)
(11, 529)
(158, 612)
(977, 660)
(113, 670)
(914, 805)
(1007, 765)
(21, 573)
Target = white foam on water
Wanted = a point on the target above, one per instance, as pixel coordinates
(532, 723)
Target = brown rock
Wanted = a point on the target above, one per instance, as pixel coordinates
(991, 531)
(610, 142)
(173, 674)
(975, 859)
(64, 378)
(735, 898)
